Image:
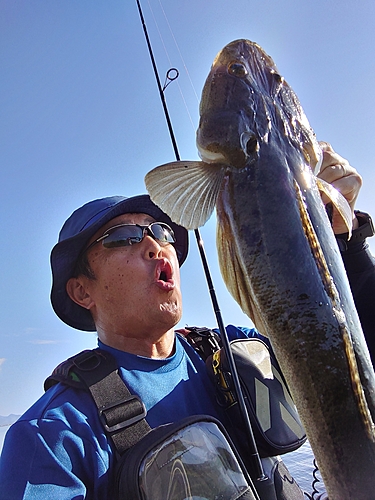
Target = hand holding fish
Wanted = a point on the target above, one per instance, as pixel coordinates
(341, 175)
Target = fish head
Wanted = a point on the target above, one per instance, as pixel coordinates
(244, 101)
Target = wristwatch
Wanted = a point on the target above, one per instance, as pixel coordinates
(365, 230)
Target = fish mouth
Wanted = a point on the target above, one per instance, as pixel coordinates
(239, 155)
(211, 156)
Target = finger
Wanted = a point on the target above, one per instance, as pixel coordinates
(332, 172)
(333, 165)
(325, 146)
(341, 210)
(349, 187)
(337, 171)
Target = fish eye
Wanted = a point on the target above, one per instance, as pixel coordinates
(237, 69)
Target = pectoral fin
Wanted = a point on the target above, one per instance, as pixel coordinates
(186, 190)
(338, 201)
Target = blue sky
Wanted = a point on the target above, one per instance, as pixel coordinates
(81, 118)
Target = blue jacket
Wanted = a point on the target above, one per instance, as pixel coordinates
(58, 449)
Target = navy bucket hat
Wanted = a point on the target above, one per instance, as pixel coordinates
(74, 236)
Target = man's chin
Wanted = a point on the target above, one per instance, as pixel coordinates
(173, 310)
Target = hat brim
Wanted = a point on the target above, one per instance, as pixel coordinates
(65, 254)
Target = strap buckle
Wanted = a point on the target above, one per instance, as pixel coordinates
(135, 411)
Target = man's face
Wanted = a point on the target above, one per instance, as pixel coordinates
(136, 290)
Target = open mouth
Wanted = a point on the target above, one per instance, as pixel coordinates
(164, 272)
(163, 276)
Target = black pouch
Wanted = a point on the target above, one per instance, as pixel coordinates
(193, 458)
(276, 425)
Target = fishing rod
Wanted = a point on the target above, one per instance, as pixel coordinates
(257, 463)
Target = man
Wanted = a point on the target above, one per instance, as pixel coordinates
(116, 271)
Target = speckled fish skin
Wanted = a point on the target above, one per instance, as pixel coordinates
(252, 121)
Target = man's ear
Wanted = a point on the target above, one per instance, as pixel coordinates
(78, 291)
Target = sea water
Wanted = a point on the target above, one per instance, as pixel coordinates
(302, 468)
(3, 430)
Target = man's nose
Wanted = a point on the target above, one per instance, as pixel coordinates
(151, 246)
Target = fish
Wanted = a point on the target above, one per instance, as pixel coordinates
(277, 252)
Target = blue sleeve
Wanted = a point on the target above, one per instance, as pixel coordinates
(242, 332)
(360, 268)
(56, 456)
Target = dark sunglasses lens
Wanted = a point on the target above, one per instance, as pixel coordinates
(123, 236)
(162, 232)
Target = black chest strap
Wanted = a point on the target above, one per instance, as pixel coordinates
(122, 414)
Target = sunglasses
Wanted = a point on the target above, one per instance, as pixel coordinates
(124, 235)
